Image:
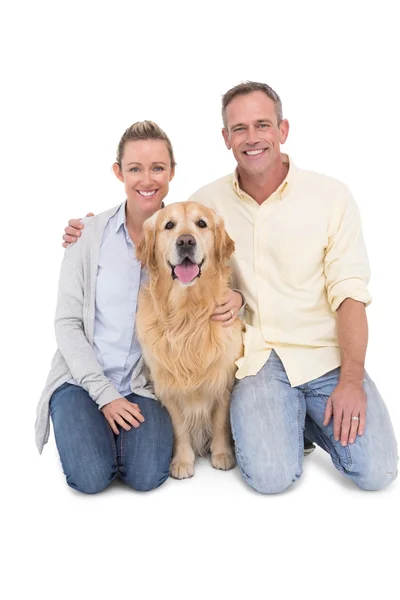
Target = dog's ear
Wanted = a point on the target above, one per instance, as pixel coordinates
(146, 250)
(224, 245)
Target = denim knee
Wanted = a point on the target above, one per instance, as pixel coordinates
(92, 481)
(376, 479)
(270, 483)
(144, 481)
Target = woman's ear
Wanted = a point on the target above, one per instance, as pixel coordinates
(146, 250)
(117, 172)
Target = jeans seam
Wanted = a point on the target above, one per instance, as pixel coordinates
(122, 456)
(317, 394)
(348, 456)
(346, 448)
(238, 453)
(113, 445)
(300, 434)
(337, 463)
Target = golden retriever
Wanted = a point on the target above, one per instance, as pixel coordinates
(191, 358)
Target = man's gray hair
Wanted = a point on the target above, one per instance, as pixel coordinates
(246, 88)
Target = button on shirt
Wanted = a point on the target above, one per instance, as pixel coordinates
(119, 277)
(298, 256)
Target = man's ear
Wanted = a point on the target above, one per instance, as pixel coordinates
(146, 250)
(284, 130)
(117, 172)
(225, 135)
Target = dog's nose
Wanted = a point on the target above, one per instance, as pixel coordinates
(186, 241)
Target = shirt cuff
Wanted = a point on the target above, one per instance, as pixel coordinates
(107, 396)
(243, 298)
(359, 296)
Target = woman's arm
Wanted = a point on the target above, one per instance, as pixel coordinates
(70, 335)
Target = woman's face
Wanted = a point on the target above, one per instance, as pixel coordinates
(146, 172)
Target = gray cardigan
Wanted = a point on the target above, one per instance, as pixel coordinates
(74, 327)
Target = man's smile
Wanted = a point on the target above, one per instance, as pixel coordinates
(255, 152)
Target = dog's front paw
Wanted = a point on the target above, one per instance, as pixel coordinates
(223, 460)
(181, 470)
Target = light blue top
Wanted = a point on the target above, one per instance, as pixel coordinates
(119, 277)
(75, 319)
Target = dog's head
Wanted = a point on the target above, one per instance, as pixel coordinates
(184, 239)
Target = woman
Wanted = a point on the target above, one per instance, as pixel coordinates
(105, 417)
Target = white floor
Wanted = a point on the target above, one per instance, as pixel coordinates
(207, 537)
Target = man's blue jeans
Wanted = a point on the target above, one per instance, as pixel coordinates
(269, 417)
(92, 455)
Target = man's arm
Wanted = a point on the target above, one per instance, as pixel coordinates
(73, 231)
(349, 400)
(347, 275)
(352, 327)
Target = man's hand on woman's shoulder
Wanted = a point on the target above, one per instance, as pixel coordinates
(73, 231)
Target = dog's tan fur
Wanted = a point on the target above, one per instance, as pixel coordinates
(191, 358)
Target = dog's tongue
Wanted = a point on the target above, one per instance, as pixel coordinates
(186, 271)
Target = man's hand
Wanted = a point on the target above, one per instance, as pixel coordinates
(124, 413)
(227, 311)
(73, 231)
(348, 400)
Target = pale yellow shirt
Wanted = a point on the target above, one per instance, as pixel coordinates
(297, 257)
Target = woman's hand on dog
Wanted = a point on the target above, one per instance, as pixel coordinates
(124, 413)
(227, 311)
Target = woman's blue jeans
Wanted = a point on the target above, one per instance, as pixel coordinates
(92, 455)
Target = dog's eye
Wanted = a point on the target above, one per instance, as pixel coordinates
(201, 224)
(169, 225)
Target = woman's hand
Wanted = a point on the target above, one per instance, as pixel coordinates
(123, 413)
(228, 310)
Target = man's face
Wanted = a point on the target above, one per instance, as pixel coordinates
(252, 132)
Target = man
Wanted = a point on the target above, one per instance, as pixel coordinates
(301, 262)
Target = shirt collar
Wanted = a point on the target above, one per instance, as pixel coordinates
(120, 217)
(284, 186)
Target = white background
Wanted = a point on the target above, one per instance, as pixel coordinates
(74, 76)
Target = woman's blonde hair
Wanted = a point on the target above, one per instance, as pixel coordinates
(144, 130)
